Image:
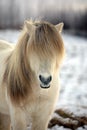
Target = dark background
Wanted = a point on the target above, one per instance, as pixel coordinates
(72, 12)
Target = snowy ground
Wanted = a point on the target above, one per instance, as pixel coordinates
(74, 71)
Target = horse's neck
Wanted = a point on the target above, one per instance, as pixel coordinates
(17, 63)
(18, 73)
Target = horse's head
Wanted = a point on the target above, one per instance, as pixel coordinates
(45, 51)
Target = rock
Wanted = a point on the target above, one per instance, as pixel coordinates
(69, 117)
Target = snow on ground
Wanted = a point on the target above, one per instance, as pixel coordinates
(73, 72)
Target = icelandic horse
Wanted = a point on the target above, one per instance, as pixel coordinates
(29, 75)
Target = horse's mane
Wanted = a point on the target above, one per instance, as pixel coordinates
(45, 41)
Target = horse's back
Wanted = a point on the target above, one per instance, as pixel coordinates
(5, 45)
(5, 50)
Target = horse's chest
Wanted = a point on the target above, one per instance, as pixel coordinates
(37, 104)
(42, 104)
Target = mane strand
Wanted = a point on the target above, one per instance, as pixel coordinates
(45, 38)
(17, 74)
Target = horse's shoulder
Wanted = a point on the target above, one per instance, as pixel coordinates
(5, 45)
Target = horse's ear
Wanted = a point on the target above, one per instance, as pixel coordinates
(59, 27)
(29, 26)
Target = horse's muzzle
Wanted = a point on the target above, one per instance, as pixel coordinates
(44, 87)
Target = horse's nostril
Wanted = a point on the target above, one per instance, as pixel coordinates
(49, 78)
(44, 80)
(40, 77)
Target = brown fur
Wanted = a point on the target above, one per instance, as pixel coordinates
(16, 74)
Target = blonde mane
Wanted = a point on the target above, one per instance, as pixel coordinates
(46, 42)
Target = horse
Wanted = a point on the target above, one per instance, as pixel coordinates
(29, 75)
